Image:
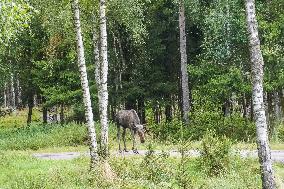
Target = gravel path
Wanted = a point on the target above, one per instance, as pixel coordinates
(277, 155)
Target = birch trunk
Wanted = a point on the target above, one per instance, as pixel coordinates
(264, 154)
(35, 100)
(85, 85)
(13, 96)
(19, 93)
(104, 74)
(123, 62)
(97, 61)
(184, 75)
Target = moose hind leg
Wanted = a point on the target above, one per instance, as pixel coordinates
(124, 139)
(134, 142)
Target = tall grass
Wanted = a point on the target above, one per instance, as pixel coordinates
(39, 136)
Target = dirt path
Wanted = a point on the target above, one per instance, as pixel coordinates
(277, 155)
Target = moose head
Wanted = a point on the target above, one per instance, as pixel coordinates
(141, 132)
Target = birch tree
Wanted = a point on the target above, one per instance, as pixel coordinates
(184, 74)
(264, 154)
(103, 79)
(13, 96)
(97, 62)
(85, 84)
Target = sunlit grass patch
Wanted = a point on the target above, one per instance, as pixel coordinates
(20, 170)
(38, 136)
(18, 118)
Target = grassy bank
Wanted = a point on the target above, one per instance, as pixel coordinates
(20, 170)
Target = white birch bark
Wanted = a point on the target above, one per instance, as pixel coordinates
(104, 74)
(123, 63)
(97, 62)
(19, 92)
(184, 74)
(35, 101)
(264, 154)
(85, 85)
(13, 96)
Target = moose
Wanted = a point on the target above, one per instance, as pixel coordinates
(129, 119)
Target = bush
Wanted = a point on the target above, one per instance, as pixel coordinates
(215, 157)
(155, 166)
(209, 117)
(279, 133)
(167, 131)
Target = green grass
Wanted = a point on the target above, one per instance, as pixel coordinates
(19, 119)
(20, 170)
(38, 136)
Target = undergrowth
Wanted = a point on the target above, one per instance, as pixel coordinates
(38, 136)
(152, 171)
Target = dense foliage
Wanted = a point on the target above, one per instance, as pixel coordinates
(38, 59)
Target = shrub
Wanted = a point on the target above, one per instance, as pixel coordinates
(279, 133)
(167, 131)
(209, 117)
(214, 152)
(155, 167)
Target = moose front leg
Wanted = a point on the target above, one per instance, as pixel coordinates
(134, 142)
(124, 139)
(118, 138)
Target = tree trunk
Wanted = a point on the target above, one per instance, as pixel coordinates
(5, 96)
(264, 154)
(35, 100)
(97, 62)
(30, 105)
(266, 107)
(244, 105)
(44, 111)
(19, 93)
(44, 115)
(61, 115)
(184, 75)
(123, 62)
(226, 108)
(85, 85)
(277, 107)
(13, 96)
(276, 115)
(55, 117)
(104, 75)
(281, 95)
(141, 110)
(8, 95)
